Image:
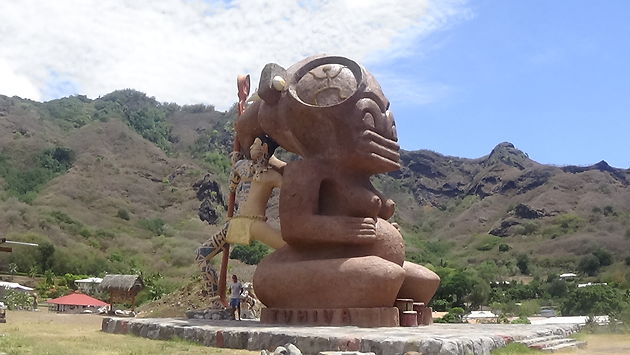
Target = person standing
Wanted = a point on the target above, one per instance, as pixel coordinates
(236, 289)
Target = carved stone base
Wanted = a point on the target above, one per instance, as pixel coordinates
(361, 317)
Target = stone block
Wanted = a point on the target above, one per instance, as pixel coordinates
(153, 331)
(430, 346)
(313, 344)
(362, 317)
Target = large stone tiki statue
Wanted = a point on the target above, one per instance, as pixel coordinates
(341, 252)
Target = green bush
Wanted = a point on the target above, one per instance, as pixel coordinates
(123, 214)
(589, 265)
(70, 112)
(17, 300)
(250, 254)
(594, 300)
(485, 242)
(604, 256)
(218, 162)
(521, 320)
(527, 228)
(58, 159)
(155, 225)
(454, 315)
(25, 182)
(522, 262)
(529, 308)
(144, 114)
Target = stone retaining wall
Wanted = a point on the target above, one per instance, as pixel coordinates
(442, 339)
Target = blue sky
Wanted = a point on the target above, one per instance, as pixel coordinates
(552, 77)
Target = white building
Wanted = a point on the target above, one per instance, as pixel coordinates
(90, 285)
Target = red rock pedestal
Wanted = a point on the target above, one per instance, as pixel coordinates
(361, 317)
(425, 314)
(409, 319)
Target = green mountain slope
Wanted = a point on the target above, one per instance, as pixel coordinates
(115, 184)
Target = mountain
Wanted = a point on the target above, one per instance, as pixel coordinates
(115, 184)
(468, 209)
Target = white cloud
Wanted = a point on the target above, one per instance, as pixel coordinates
(190, 51)
(12, 83)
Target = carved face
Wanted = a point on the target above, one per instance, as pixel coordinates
(332, 108)
(258, 149)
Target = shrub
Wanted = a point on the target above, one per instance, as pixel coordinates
(485, 242)
(522, 262)
(17, 300)
(69, 112)
(527, 228)
(123, 214)
(155, 225)
(57, 159)
(529, 308)
(589, 265)
(604, 256)
(609, 211)
(454, 315)
(521, 320)
(440, 305)
(504, 247)
(250, 254)
(85, 233)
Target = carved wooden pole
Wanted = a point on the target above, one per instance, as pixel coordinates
(242, 84)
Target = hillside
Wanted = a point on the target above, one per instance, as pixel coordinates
(115, 184)
(123, 204)
(462, 210)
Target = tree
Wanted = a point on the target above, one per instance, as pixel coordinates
(250, 254)
(46, 254)
(479, 294)
(522, 262)
(594, 300)
(557, 288)
(604, 256)
(589, 265)
(455, 285)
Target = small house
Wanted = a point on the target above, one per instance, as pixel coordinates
(568, 276)
(75, 303)
(14, 286)
(122, 288)
(89, 286)
(481, 317)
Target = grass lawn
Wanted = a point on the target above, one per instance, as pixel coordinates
(613, 344)
(50, 333)
(609, 344)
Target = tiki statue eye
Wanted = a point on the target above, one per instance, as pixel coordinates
(368, 120)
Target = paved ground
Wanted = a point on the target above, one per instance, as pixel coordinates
(447, 339)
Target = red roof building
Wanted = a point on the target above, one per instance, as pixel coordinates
(75, 303)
